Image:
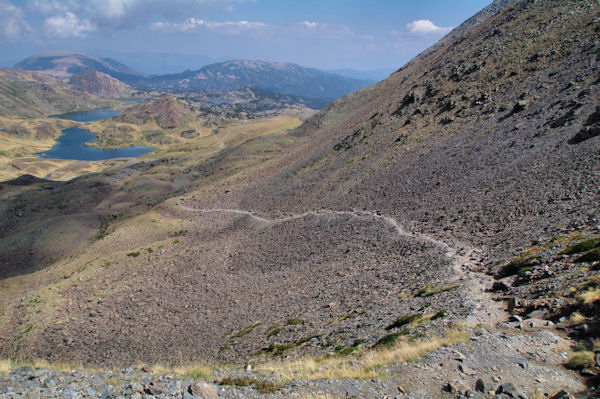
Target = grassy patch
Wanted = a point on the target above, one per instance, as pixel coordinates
(590, 296)
(6, 365)
(280, 349)
(577, 318)
(262, 386)
(245, 331)
(415, 320)
(565, 239)
(191, 370)
(389, 339)
(582, 246)
(581, 360)
(133, 254)
(345, 316)
(358, 366)
(518, 265)
(295, 322)
(274, 331)
(345, 351)
(404, 320)
(431, 289)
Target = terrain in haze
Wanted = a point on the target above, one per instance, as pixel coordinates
(435, 234)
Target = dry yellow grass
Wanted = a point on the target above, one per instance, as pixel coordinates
(191, 370)
(6, 365)
(590, 296)
(578, 318)
(361, 366)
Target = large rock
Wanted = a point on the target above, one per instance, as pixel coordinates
(511, 390)
(204, 390)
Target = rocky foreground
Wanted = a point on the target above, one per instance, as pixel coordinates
(514, 363)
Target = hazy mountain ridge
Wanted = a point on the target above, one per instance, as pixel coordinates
(278, 77)
(64, 64)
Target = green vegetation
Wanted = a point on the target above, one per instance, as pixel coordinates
(390, 339)
(133, 254)
(276, 349)
(262, 386)
(345, 351)
(430, 289)
(404, 320)
(276, 328)
(582, 246)
(275, 331)
(245, 331)
(518, 266)
(345, 316)
(102, 229)
(581, 360)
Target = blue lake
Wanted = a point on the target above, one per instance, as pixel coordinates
(71, 143)
(88, 116)
(217, 101)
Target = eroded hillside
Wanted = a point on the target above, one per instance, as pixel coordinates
(394, 215)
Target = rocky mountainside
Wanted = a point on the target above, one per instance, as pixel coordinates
(99, 84)
(278, 77)
(433, 235)
(33, 94)
(166, 111)
(64, 64)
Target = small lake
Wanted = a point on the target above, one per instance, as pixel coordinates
(71, 143)
(217, 101)
(88, 116)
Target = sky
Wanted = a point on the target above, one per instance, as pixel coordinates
(180, 34)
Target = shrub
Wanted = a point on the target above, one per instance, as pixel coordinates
(133, 254)
(518, 266)
(389, 339)
(404, 320)
(581, 360)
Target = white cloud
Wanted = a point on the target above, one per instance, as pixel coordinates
(13, 26)
(303, 28)
(49, 8)
(229, 27)
(425, 26)
(67, 25)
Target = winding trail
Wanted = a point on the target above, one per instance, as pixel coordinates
(388, 220)
(463, 258)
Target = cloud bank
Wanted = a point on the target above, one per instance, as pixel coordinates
(13, 26)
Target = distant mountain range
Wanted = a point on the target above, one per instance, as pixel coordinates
(64, 64)
(277, 77)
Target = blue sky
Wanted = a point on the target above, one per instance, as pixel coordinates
(327, 34)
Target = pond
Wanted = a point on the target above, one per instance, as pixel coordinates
(88, 116)
(71, 143)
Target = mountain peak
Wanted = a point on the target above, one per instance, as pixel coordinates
(64, 64)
